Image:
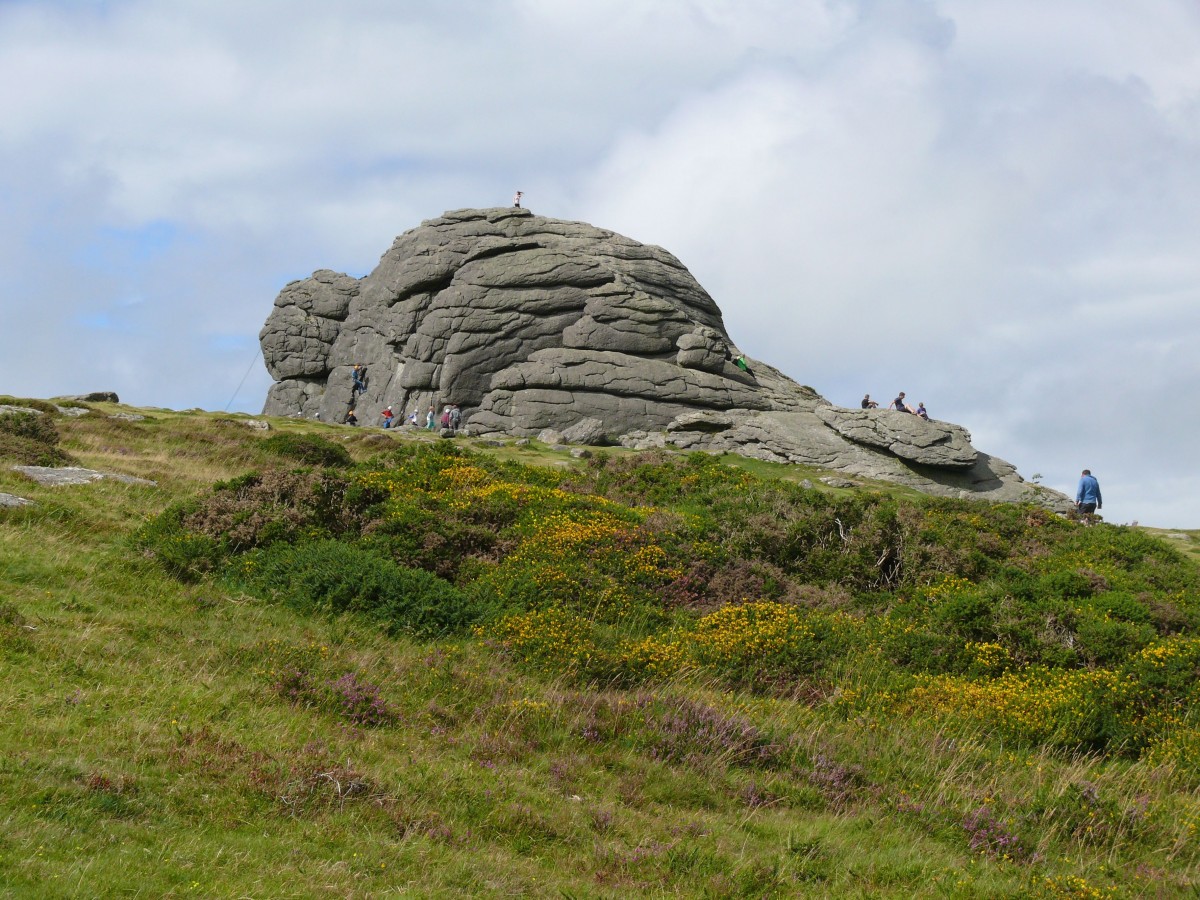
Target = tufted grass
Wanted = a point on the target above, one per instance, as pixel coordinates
(153, 741)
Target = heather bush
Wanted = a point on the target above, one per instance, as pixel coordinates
(184, 553)
(348, 696)
(199, 536)
(413, 534)
(259, 509)
(680, 729)
(30, 439)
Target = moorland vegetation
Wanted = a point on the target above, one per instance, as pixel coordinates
(335, 662)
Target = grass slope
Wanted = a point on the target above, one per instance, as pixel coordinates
(379, 666)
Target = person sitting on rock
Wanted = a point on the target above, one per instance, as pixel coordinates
(900, 406)
(921, 412)
(868, 403)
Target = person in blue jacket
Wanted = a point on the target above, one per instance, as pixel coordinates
(1087, 497)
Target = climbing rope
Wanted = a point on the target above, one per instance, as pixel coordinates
(257, 353)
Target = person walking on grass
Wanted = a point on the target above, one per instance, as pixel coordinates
(1087, 496)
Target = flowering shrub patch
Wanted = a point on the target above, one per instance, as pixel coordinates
(999, 619)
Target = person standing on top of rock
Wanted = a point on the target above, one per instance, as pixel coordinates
(1087, 496)
(868, 403)
(517, 199)
(900, 406)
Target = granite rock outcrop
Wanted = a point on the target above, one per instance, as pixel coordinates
(531, 324)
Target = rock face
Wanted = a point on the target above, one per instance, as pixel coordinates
(532, 324)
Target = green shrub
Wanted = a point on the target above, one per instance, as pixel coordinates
(30, 439)
(1120, 605)
(311, 449)
(186, 554)
(1109, 642)
(1065, 585)
(327, 576)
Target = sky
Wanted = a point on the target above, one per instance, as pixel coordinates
(992, 205)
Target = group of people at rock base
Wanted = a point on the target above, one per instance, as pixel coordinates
(451, 417)
(898, 404)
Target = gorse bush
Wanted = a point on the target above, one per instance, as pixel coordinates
(330, 577)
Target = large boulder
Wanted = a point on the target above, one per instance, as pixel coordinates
(535, 325)
(904, 434)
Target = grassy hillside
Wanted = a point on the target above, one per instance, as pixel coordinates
(323, 661)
